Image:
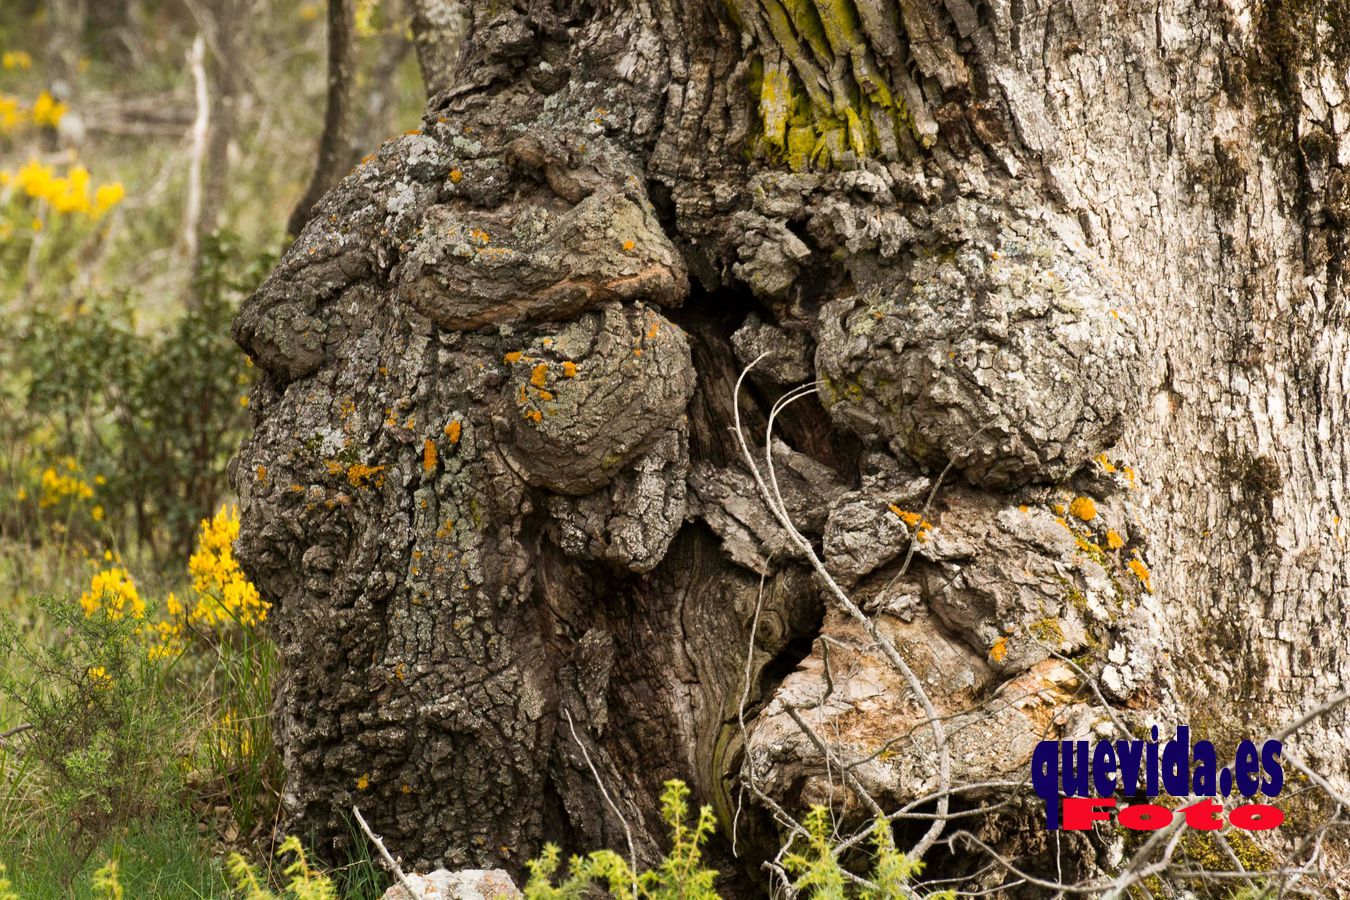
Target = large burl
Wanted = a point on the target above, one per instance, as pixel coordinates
(496, 497)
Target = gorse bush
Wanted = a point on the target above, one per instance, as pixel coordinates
(107, 751)
(134, 705)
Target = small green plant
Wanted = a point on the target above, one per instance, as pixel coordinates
(680, 875)
(306, 882)
(812, 859)
(820, 875)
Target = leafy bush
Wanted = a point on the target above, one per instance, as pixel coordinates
(157, 416)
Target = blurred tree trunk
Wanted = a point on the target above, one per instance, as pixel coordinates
(335, 151)
(437, 27)
(1089, 254)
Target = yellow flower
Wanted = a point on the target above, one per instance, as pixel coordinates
(113, 592)
(16, 59)
(224, 595)
(47, 110)
(107, 196)
(96, 514)
(99, 677)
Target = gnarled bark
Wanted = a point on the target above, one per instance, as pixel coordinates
(1087, 255)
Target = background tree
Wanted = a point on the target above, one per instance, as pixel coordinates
(1083, 257)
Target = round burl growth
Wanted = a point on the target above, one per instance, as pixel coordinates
(606, 387)
(1010, 357)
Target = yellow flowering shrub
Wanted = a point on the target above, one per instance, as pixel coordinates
(113, 593)
(61, 482)
(15, 115)
(71, 194)
(224, 595)
(16, 59)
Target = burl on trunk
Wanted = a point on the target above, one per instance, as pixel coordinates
(1083, 258)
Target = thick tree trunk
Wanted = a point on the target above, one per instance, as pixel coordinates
(1086, 254)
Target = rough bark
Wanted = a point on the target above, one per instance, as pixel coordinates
(1072, 250)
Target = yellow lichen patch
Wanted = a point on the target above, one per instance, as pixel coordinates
(1129, 475)
(262, 473)
(1142, 573)
(1105, 463)
(999, 651)
(1114, 540)
(545, 395)
(1084, 508)
(452, 431)
(539, 375)
(1024, 509)
(429, 455)
(1057, 508)
(363, 782)
(513, 357)
(534, 416)
(653, 330)
(569, 369)
(456, 175)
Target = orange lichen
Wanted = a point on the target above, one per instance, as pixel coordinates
(513, 357)
(653, 330)
(1129, 475)
(363, 782)
(1057, 508)
(545, 395)
(534, 416)
(429, 455)
(262, 473)
(1114, 540)
(539, 375)
(456, 175)
(569, 369)
(999, 651)
(1105, 463)
(358, 474)
(452, 431)
(1142, 573)
(1084, 508)
(628, 245)
(915, 521)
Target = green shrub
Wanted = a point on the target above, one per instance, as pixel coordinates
(142, 425)
(105, 746)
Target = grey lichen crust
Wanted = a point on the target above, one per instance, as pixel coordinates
(998, 348)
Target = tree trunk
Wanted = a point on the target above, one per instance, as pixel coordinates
(1085, 258)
